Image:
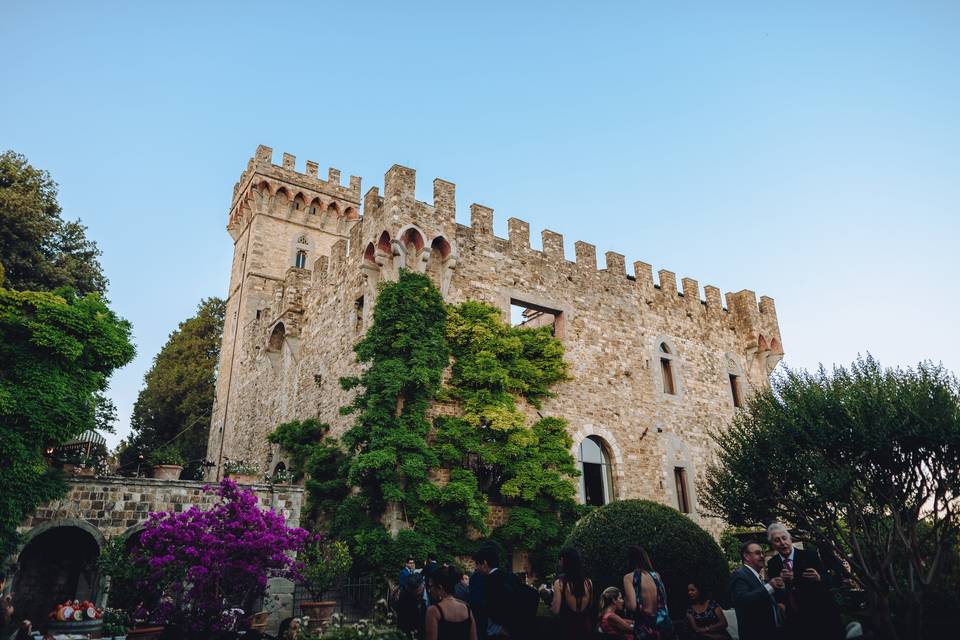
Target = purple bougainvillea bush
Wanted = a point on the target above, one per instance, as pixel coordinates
(206, 562)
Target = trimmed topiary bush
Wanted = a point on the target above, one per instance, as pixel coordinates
(680, 550)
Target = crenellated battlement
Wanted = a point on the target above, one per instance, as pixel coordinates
(262, 179)
(398, 207)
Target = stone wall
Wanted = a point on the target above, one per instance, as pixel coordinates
(286, 356)
(103, 508)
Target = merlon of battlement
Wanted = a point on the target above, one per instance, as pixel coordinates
(400, 187)
(263, 161)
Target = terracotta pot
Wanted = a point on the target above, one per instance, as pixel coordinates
(167, 471)
(244, 478)
(319, 612)
(145, 633)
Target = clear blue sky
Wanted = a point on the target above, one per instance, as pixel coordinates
(808, 152)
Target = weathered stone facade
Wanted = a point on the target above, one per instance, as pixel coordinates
(651, 365)
(113, 506)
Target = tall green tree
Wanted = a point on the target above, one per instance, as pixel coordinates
(175, 403)
(41, 251)
(57, 352)
(865, 461)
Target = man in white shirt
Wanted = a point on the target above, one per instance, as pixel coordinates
(758, 614)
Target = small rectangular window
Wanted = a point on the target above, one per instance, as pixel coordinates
(527, 314)
(680, 479)
(735, 390)
(666, 369)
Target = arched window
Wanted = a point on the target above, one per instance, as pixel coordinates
(736, 380)
(276, 337)
(596, 480)
(667, 369)
(301, 260)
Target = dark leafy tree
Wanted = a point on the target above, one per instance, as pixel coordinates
(318, 459)
(865, 461)
(56, 353)
(39, 250)
(175, 403)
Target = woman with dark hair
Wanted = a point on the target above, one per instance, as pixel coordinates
(704, 616)
(646, 596)
(611, 623)
(572, 597)
(448, 618)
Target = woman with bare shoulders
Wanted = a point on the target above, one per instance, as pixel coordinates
(572, 597)
(646, 596)
(447, 618)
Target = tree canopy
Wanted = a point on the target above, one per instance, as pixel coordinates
(41, 251)
(863, 460)
(175, 403)
(56, 353)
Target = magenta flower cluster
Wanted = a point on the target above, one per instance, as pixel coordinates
(206, 562)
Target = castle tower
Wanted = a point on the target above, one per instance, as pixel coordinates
(282, 223)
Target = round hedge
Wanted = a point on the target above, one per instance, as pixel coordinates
(680, 550)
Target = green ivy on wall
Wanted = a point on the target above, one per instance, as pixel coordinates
(425, 485)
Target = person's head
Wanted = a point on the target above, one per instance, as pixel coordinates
(639, 559)
(414, 583)
(487, 558)
(570, 563)
(611, 596)
(465, 580)
(294, 625)
(752, 555)
(695, 593)
(3, 580)
(443, 581)
(410, 563)
(780, 539)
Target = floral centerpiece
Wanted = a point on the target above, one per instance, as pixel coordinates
(242, 471)
(205, 563)
(75, 616)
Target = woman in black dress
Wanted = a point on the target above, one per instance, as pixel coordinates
(448, 618)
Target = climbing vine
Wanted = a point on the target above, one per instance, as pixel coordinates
(426, 485)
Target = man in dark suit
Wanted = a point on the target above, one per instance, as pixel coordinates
(811, 611)
(758, 614)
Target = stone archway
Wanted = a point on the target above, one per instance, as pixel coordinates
(58, 562)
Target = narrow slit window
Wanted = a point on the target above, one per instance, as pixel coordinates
(666, 370)
(532, 316)
(680, 479)
(301, 260)
(735, 390)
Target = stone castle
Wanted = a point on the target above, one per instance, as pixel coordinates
(654, 369)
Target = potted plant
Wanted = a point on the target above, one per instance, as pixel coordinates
(241, 471)
(325, 562)
(167, 462)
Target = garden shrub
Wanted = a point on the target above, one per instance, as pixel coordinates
(681, 550)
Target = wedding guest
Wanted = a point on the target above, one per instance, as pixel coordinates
(758, 614)
(572, 597)
(704, 616)
(646, 596)
(448, 618)
(611, 621)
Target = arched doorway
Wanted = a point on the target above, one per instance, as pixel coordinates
(596, 479)
(57, 564)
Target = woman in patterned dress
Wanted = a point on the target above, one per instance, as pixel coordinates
(646, 596)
